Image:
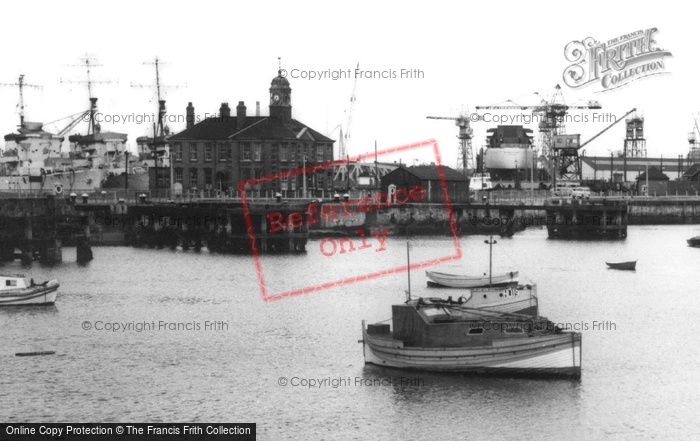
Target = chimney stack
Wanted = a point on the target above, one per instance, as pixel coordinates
(225, 111)
(257, 108)
(240, 114)
(190, 116)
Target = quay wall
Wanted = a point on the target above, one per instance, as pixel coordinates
(663, 211)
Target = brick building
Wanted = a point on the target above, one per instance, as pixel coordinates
(217, 153)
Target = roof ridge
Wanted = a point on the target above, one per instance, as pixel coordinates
(250, 126)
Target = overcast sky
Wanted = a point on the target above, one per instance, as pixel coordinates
(470, 53)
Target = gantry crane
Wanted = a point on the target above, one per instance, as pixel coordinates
(465, 139)
(566, 159)
(551, 115)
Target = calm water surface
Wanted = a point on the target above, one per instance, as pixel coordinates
(639, 380)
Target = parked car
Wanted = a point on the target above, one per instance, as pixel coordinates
(563, 192)
(581, 192)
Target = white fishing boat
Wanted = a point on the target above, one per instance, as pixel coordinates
(511, 298)
(16, 290)
(464, 281)
(439, 336)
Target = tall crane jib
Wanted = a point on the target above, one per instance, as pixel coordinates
(344, 142)
(465, 135)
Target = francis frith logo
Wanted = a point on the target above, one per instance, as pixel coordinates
(614, 63)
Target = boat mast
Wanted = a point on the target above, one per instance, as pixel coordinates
(490, 242)
(408, 260)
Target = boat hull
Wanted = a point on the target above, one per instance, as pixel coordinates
(136, 182)
(508, 158)
(462, 281)
(557, 355)
(510, 299)
(35, 295)
(629, 266)
(59, 183)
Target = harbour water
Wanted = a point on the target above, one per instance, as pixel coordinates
(214, 351)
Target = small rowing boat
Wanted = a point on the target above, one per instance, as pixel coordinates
(622, 265)
(464, 281)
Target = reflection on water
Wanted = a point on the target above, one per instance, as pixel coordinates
(195, 373)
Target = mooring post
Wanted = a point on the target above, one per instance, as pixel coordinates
(27, 250)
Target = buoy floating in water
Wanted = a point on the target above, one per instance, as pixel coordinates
(28, 354)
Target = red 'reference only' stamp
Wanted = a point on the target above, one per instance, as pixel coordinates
(277, 222)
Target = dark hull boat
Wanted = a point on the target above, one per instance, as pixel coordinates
(694, 242)
(630, 266)
(446, 337)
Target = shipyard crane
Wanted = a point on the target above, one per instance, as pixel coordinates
(343, 150)
(551, 115)
(693, 141)
(21, 84)
(465, 139)
(566, 149)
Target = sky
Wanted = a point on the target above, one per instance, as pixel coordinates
(470, 54)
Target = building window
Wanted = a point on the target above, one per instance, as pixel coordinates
(319, 153)
(319, 181)
(294, 183)
(245, 151)
(193, 151)
(208, 177)
(284, 181)
(283, 153)
(292, 152)
(246, 174)
(329, 152)
(257, 151)
(207, 151)
(178, 151)
(223, 152)
(193, 178)
(163, 179)
(178, 175)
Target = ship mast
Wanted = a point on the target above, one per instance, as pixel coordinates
(21, 84)
(159, 130)
(89, 62)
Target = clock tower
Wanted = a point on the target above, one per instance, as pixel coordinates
(281, 98)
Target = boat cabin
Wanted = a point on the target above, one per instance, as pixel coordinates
(14, 281)
(438, 323)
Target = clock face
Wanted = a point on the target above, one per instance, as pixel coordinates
(275, 98)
